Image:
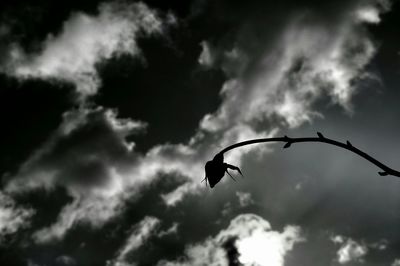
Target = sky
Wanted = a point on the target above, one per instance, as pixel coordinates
(110, 110)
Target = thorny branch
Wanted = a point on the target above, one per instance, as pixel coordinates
(322, 139)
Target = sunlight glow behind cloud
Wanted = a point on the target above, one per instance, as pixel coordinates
(255, 241)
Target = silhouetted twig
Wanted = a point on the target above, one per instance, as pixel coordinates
(215, 167)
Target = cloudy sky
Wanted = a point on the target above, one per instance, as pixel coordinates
(110, 109)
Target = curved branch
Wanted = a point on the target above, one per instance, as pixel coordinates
(289, 141)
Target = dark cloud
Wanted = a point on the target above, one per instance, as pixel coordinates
(33, 107)
(82, 151)
(232, 253)
(65, 260)
(171, 92)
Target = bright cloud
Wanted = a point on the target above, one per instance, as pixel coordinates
(173, 230)
(94, 169)
(12, 217)
(244, 198)
(305, 63)
(206, 59)
(369, 13)
(142, 231)
(349, 250)
(85, 41)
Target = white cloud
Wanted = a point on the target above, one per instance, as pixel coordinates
(174, 197)
(337, 239)
(244, 198)
(12, 217)
(349, 250)
(140, 234)
(380, 245)
(67, 150)
(305, 63)
(90, 157)
(255, 241)
(94, 209)
(173, 230)
(368, 14)
(65, 260)
(85, 41)
(206, 58)
(226, 209)
(32, 263)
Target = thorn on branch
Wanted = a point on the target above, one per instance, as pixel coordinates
(349, 144)
(320, 135)
(287, 145)
(383, 173)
